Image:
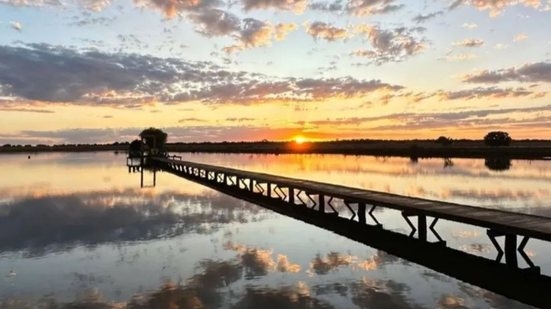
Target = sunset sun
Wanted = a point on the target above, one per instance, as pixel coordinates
(299, 139)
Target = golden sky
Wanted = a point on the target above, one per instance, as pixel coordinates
(95, 71)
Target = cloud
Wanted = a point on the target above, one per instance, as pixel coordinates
(95, 5)
(358, 7)
(480, 92)
(87, 20)
(460, 57)
(528, 73)
(255, 33)
(16, 25)
(282, 29)
(469, 26)
(35, 3)
(57, 75)
(469, 43)
(326, 31)
(173, 8)
(455, 119)
(296, 6)
(423, 18)
(215, 22)
(520, 37)
(392, 45)
(26, 110)
(372, 7)
(332, 7)
(495, 6)
(252, 33)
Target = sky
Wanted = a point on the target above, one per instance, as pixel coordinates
(100, 71)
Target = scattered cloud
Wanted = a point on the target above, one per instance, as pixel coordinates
(283, 29)
(423, 18)
(326, 31)
(173, 8)
(495, 7)
(35, 3)
(215, 22)
(95, 5)
(390, 45)
(469, 26)
(442, 119)
(357, 7)
(481, 92)
(372, 7)
(529, 73)
(16, 25)
(461, 57)
(520, 37)
(254, 33)
(469, 43)
(296, 6)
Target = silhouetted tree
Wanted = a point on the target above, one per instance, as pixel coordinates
(135, 148)
(155, 139)
(497, 138)
(442, 140)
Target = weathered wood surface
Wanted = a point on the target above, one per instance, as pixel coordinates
(503, 221)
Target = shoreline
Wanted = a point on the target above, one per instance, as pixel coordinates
(540, 150)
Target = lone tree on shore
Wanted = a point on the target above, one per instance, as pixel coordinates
(443, 140)
(155, 139)
(497, 138)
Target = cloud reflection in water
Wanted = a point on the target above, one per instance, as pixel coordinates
(38, 226)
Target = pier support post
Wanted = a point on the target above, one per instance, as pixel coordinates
(422, 227)
(268, 189)
(141, 178)
(291, 196)
(361, 213)
(321, 203)
(511, 250)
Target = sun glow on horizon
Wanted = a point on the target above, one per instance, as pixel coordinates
(299, 139)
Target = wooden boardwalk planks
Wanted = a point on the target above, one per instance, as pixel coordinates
(503, 221)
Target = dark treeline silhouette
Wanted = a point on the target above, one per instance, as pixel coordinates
(154, 141)
(518, 149)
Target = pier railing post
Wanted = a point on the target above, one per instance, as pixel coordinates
(291, 196)
(321, 203)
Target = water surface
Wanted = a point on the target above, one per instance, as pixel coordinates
(77, 229)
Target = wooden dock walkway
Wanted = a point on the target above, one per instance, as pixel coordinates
(321, 196)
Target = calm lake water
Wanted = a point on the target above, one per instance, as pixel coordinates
(77, 229)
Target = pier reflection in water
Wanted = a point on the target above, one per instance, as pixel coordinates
(81, 224)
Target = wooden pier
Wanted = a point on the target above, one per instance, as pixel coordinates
(314, 203)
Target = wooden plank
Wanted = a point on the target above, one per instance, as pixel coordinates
(504, 221)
